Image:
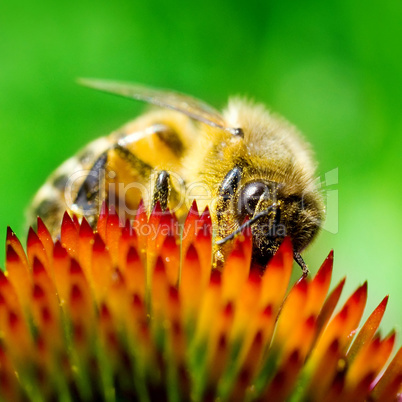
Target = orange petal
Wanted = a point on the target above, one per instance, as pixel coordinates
(69, 235)
(12, 240)
(170, 253)
(236, 271)
(343, 325)
(117, 298)
(140, 222)
(369, 361)
(86, 240)
(329, 306)
(203, 244)
(190, 282)
(135, 274)
(159, 293)
(80, 309)
(292, 313)
(113, 234)
(102, 219)
(35, 249)
(276, 277)
(320, 379)
(391, 381)
(190, 228)
(284, 379)
(247, 308)
(368, 330)
(208, 309)
(128, 239)
(9, 299)
(101, 268)
(18, 274)
(45, 306)
(61, 270)
(248, 367)
(318, 288)
(45, 237)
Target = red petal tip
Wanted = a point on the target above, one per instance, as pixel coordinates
(42, 227)
(294, 357)
(159, 266)
(173, 293)
(361, 292)
(157, 209)
(85, 228)
(192, 254)
(343, 314)
(334, 346)
(76, 293)
(193, 209)
(302, 285)
(104, 312)
(310, 322)
(268, 310)
(10, 233)
(11, 254)
(325, 269)
(32, 238)
(170, 242)
(38, 292)
(206, 216)
(229, 309)
(67, 217)
(216, 277)
(137, 301)
(132, 255)
(258, 338)
(59, 251)
(37, 266)
(254, 276)
(99, 245)
(75, 267)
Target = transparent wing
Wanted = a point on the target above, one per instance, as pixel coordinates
(191, 107)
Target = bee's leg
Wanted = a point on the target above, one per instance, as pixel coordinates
(299, 259)
(161, 190)
(91, 191)
(227, 191)
(224, 212)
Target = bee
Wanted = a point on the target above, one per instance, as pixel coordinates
(253, 169)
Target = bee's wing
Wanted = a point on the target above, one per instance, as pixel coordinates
(192, 107)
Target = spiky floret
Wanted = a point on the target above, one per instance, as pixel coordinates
(135, 311)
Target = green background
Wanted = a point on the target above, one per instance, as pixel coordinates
(332, 68)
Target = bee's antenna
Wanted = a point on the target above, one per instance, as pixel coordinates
(246, 225)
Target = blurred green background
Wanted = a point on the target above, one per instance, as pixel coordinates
(332, 68)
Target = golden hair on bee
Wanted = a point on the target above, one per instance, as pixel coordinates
(252, 168)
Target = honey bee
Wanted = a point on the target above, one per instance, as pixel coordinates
(252, 169)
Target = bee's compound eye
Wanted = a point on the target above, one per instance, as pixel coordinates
(249, 196)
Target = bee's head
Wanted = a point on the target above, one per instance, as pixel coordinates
(272, 213)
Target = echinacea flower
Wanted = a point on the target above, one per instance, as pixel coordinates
(137, 312)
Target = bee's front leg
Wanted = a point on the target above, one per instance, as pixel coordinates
(161, 190)
(226, 213)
